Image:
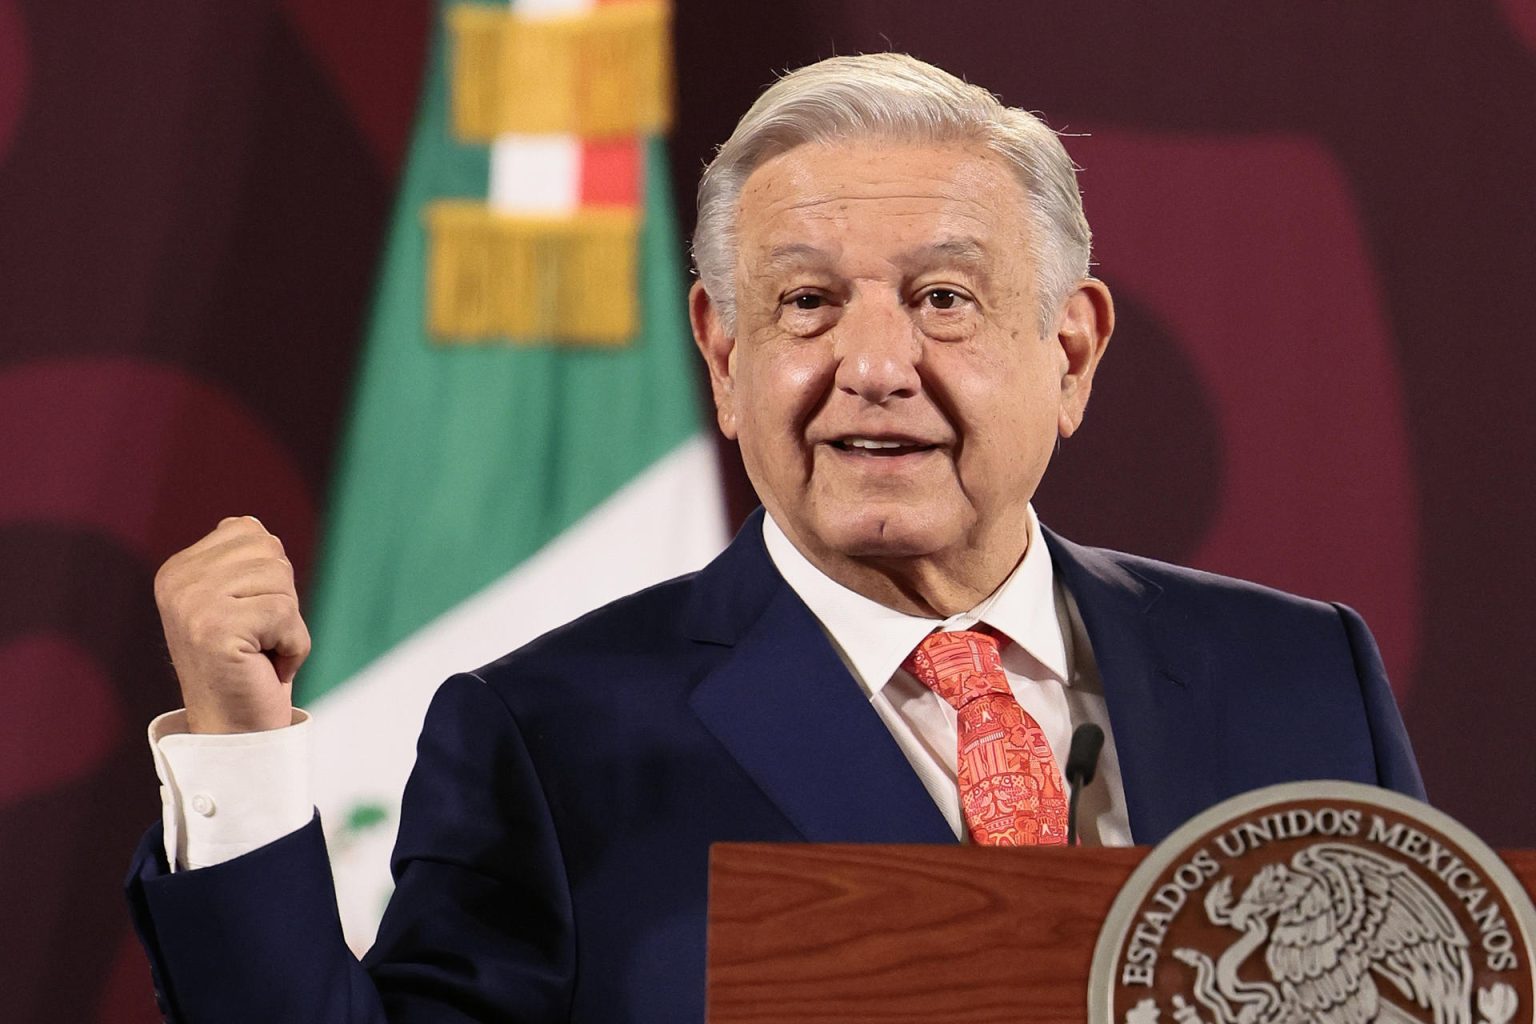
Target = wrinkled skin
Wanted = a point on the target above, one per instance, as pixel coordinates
(886, 296)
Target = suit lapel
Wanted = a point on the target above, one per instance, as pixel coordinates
(785, 707)
(1153, 684)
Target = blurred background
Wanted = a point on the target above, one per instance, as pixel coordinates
(1317, 218)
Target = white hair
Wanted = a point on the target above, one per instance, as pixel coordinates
(892, 95)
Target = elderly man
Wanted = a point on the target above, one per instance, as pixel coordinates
(898, 324)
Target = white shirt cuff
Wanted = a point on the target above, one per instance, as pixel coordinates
(222, 796)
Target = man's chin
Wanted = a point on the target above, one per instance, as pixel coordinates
(871, 535)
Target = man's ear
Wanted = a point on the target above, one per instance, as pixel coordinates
(1083, 327)
(719, 351)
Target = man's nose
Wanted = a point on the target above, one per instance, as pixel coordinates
(877, 351)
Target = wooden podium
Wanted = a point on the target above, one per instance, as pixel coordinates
(908, 934)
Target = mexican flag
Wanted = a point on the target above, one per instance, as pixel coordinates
(525, 441)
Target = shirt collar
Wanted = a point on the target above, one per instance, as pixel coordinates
(875, 640)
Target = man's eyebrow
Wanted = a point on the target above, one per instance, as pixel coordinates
(794, 254)
(966, 252)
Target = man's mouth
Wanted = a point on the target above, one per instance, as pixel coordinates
(880, 447)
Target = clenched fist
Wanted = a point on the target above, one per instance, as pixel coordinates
(231, 618)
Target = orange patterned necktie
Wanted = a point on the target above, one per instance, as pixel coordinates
(1010, 790)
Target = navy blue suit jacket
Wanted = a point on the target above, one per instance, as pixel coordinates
(552, 856)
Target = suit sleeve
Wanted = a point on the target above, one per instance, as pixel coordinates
(479, 927)
(1396, 767)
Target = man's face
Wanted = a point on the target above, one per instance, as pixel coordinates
(887, 379)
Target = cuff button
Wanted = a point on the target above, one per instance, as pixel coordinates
(203, 804)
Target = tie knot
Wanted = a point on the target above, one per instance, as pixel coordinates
(959, 666)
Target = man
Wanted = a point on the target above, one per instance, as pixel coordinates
(898, 324)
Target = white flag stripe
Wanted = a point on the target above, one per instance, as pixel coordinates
(551, 8)
(667, 521)
(536, 174)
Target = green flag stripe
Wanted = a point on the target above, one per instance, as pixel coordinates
(460, 461)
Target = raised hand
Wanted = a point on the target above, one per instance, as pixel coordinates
(231, 619)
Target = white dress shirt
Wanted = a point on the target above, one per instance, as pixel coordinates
(1049, 665)
(225, 795)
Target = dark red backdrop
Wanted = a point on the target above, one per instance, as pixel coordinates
(1318, 220)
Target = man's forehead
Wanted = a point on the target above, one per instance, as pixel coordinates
(909, 203)
(824, 179)
(950, 250)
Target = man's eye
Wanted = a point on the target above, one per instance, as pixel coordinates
(808, 301)
(942, 298)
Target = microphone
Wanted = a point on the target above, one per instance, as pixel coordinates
(1082, 762)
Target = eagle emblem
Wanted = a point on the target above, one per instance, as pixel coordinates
(1347, 936)
(1319, 902)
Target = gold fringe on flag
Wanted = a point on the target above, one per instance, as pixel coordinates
(532, 279)
(603, 73)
